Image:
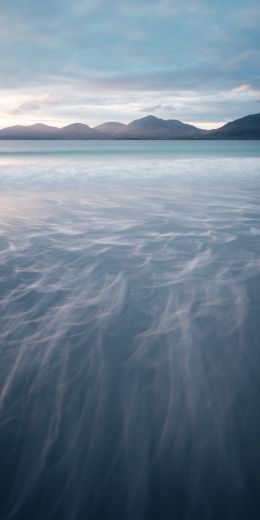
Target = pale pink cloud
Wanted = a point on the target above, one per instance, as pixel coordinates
(245, 87)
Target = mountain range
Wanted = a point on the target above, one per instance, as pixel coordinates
(149, 127)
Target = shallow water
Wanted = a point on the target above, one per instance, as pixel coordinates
(129, 330)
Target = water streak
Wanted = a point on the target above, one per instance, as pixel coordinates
(129, 337)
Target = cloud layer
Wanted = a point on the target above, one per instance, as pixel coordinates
(68, 60)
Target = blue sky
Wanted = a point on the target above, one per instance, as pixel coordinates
(103, 60)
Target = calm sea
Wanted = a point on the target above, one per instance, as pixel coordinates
(129, 330)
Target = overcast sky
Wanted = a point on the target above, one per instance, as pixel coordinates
(92, 61)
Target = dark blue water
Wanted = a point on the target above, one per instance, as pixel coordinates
(130, 331)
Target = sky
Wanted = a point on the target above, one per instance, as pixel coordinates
(90, 61)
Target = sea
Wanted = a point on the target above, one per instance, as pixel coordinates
(129, 330)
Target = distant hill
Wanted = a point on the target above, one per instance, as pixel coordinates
(149, 127)
(110, 128)
(244, 128)
(77, 131)
(37, 131)
(40, 131)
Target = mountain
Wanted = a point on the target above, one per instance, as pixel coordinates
(37, 131)
(149, 127)
(110, 128)
(40, 131)
(244, 128)
(77, 131)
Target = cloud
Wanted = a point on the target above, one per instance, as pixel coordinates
(241, 89)
(155, 108)
(247, 91)
(115, 58)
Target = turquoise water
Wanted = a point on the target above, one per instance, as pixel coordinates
(184, 149)
(129, 330)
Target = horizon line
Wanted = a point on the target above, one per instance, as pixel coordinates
(197, 124)
(217, 126)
